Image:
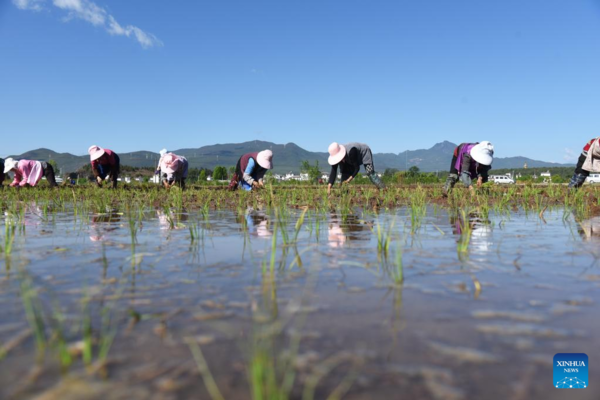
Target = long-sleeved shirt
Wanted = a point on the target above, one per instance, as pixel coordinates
(471, 169)
(350, 166)
(253, 172)
(180, 173)
(28, 172)
(109, 159)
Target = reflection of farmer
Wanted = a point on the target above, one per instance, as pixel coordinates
(174, 170)
(589, 228)
(480, 231)
(257, 223)
(350, 228)
(589, 161)
(470, 161)
(105, 163)
(349, 158)
(100, 234)
(335, 235)
(29, 172)
(251, 169)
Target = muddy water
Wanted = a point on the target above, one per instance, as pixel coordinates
(484, 322)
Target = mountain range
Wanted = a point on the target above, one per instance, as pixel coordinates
(287, 157)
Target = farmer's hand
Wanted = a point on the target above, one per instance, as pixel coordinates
(255, 184)
(479, 181)
(261, 184)
(348, 180)
(99, 180)
(471, 189)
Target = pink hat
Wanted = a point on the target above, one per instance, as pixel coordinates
(337, 152)
(95, 152)
(264, 159)
(170, 163)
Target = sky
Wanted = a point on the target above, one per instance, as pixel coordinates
(395, 74)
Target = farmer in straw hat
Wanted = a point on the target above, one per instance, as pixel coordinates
(589, 161)
(470, 161)
(105, 163)
(251, 169)
(174, 170)
(29, 172)
(349, 158)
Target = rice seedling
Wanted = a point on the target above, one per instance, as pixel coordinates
(462, 245)
(384, 236)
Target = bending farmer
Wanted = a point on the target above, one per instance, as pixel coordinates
(251, 169)
(349, 158)
(174, 170)
(470, 161)
(589, 161)
(105, 163)
(29, 172)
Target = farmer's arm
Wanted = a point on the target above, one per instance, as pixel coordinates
(260, 176)
(482, 174)
(17, 180)
(332, 177)
(248, 172)
(353, 160)
(465, 175)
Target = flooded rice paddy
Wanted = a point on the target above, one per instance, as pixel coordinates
(295, 303)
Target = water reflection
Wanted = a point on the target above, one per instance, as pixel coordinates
(168, 219)
(345, 229)
(257, 223)
(477, 234)
(589, 229)
(102, 225)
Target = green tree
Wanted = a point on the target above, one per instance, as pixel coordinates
(389, 172)
(413, 172)
(220, 173)
(313, 171)
(202, 176)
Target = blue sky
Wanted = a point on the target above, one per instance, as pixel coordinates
(147, 74)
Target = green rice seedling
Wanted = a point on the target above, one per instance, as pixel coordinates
(9, 238)
(462, 246)
(384, 237)
(299, 223)
(398, 270)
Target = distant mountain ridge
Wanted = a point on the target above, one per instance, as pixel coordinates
(287, 157)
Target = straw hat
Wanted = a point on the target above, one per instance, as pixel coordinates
(483, 153)
(170, 163)
(95, 152)
(9, 164)
(264, 159)
(337, 152)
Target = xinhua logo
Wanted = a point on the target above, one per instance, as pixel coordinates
(571, 371)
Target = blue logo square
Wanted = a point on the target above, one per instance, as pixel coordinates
(571, 371)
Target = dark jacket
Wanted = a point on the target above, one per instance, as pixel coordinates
(357, 154)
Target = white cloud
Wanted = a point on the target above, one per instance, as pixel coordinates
(570, 155)
(83, 9)
(34, 5)
(90, 12)
(144, 38)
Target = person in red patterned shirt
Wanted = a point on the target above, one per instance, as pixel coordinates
(581, 174)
